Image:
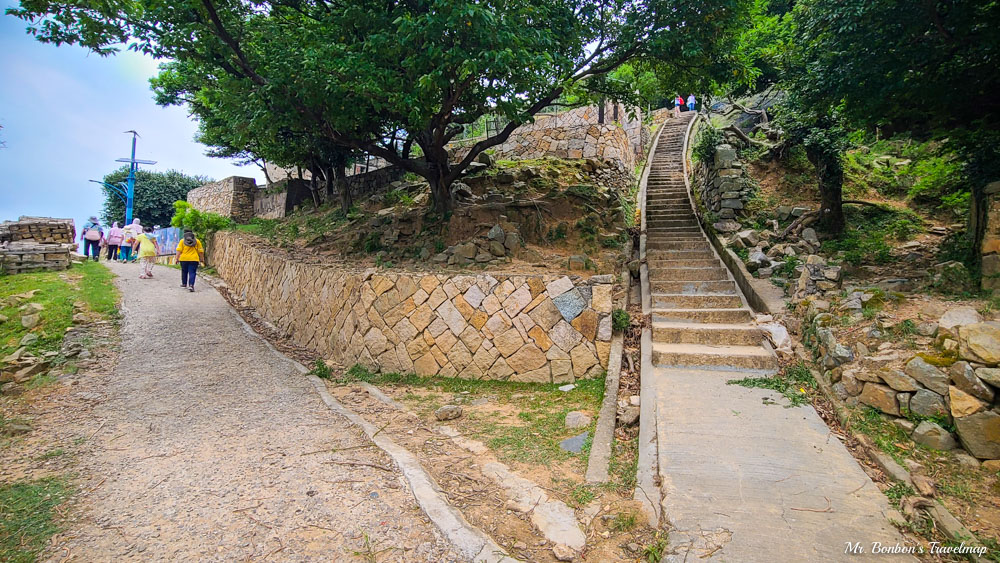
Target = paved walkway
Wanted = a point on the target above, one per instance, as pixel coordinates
(210, 447)
(741, 477)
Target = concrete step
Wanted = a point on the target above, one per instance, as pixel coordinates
(657, 263)
(705, 254)
(715, 334)
(734, 358)
(693, 287)
(667, 244)
(732, 316)
(696, 301)
(689, 274)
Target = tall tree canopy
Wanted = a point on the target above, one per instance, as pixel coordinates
(155, 194)
(361, 73)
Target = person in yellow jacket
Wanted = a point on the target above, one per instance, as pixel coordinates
(147, 249)
(190, 253)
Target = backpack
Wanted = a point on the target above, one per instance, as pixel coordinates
(92, 234)
(189, 240)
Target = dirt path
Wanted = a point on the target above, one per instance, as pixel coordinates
(208, 446)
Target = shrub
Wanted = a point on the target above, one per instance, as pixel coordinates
(620, 319)
(704, 145)
(201, 222)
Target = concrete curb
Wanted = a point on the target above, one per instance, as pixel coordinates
(943, 518)
(472, 542)
(604, 433)
(756, 298)
(647, 492)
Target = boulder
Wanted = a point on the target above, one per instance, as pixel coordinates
(898, 380)
(577, 419)
(11, 389)
(726, 226)
(980, 342)
(928, 403)
(880, 397)
(496, 233)
(930, 434)
(448, 412)
(980, 434)
(964, 377)
(30, 321)
(928, 375)
(809, 235)
(628, 416)
(956, 317)
(989, 375)
(964, 404)
(748, 237)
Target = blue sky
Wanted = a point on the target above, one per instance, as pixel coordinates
(63, 111)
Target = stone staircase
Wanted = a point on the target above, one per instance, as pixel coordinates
(729, 472)
(700, 319)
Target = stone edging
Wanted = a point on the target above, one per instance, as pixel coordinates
(733, 263)
(943, 518)
(467, 539)
(647, 492)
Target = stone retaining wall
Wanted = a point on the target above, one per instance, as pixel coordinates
(229, 197)
(36, 243)
(504, 327)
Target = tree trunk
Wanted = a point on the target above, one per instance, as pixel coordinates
(345, 191)
(440, 194)
(830, 174)
(437, 174)
(314, 189)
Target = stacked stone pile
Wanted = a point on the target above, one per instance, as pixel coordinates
(942, 398)
(506, 327)
(723, 190)
(36, 243)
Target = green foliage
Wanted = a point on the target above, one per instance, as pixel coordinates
(392, 197)
(155, 194)
(868, 230)
(624, 521)
(654, 551)
(321, 370)
(704, 144)
(898, 491)
(786, 269)
(792, 382)
(201, 222)
(302, 80)
(620, 319)
(28, 516)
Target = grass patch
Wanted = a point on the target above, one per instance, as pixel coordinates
(623, 465)
(624, 521)
(27, 516)
(653, 551)
(93, 286)
(792, 382)
(539, 425)
(886, 435)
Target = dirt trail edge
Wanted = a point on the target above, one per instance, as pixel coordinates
(210, 446)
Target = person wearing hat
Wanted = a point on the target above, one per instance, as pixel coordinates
(92, 236)
(190, 253)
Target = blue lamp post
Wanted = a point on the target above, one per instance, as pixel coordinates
(126, 190)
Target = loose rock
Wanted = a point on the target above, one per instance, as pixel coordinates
(577, 419)
(448, 412)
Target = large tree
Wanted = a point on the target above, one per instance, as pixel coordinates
(155, 194)
(908, 66)
(363, 73)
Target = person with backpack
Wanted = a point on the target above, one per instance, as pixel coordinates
(130, 232)
(147, 249)
(115, 239)
(190, 253)
(92, 235)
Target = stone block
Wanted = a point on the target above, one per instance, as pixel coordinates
(898, 380)
(491, 304)
(559, 286)
(928, 403)
(933, 436)
(564, 336)
(497, 324)
(964, 404)
(546, 314)
(980, 343)
(463, 307)
(426, 366)
(528, 358)
(880, 397)
(474, 296)
(603, 353)
(459, 356)
(437, 327)
(429, 283)
(376, 342)
(980, 434)
(451, 315)
(541, 339)
(536, 286)
(471, 337)
(517, 301)
(601, 301)
(928, 375)
(570, 304)
(963, 376)
(422, 317)
(586, 324)
(540, 375)
(479, 319)
(445, 341)
(436, 298)
(508, 342)
(583, 359)
(500, 371)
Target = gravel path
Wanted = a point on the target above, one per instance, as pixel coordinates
(213, 448)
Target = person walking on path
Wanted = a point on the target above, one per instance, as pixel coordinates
(131, 232)
(147, 249)
(115, 238)
(92, 235)
(190, 253)
(691, 102)
(678, 102)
